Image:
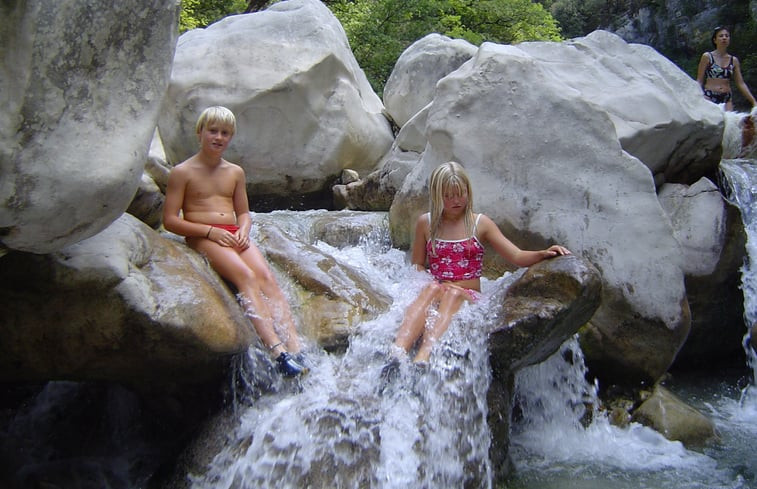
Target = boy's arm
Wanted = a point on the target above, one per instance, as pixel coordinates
(241, 204)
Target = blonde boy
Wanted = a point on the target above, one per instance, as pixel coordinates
(206, 201)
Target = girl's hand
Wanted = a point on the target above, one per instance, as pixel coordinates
(557, 250)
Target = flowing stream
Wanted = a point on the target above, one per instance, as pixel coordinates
(342, 426)
(338, 428)
(553, 449)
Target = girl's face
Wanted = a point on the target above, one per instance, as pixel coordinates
(722, 38)
(455, 200)
(215, 137)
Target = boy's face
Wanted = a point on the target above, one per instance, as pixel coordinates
(215, 137)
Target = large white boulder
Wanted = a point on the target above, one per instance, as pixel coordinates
(305, 110)
(712, 240)
(658, 110)
(411, 85)
(82, 84)
(547, 166)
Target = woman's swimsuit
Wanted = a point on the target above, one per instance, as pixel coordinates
(715, 71)
(455, 260)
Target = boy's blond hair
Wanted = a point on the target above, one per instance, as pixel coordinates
(216, 115)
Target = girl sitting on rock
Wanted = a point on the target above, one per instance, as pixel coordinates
(449, 239)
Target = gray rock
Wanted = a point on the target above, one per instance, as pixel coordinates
(658, 110)
(546, 165)
(531, 319)
(125, 305)
(713, 244)
(377, 190)
(304, 108)
(410, 86)
(669, 415)
(83, 83)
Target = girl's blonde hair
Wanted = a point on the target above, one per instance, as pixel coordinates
(448, 178)
(216, 115)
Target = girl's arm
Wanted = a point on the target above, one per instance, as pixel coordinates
(419, 242)
(489, 232)
(739, 80)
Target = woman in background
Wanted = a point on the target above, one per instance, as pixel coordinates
(717, 68)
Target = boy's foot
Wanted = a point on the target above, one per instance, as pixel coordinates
(289, 366)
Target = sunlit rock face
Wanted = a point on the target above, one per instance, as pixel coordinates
(82, 85)
(657, 109)
(547, 166)
(305, 110)
(138, 307)
(712, 240)
(125, 305)
(411, 85)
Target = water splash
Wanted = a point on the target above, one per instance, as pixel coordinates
(336, 428)
(739, 183)
(561, 440)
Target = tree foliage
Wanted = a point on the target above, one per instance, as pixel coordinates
(202, 13)
(380, 30)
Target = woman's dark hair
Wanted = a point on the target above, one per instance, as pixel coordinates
(715, 33)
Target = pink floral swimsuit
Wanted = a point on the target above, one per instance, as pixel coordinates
(455, 260)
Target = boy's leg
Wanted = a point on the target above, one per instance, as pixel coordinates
(230, 265)
(452, 299)
(277, 301)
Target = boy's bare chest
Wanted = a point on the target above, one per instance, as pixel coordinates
(210, 186)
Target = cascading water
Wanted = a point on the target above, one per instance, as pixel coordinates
(336, 428)
(552, 448)
(339, 428)
(741, 191)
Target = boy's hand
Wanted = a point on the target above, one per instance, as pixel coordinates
(243, 240)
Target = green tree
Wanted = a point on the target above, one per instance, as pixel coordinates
(202, 13)
(380, 30)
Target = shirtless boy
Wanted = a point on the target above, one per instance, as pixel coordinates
(206, 201)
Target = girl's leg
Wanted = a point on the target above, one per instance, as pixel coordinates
(415, 316)
(277, 301)
(230, 265)
(451, 299)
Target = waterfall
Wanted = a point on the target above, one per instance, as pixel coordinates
(738, 175)
(337, 428)
(561, 440)
(739, 178)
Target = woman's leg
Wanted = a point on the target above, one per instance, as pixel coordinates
(452, 298)
(415, 316)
